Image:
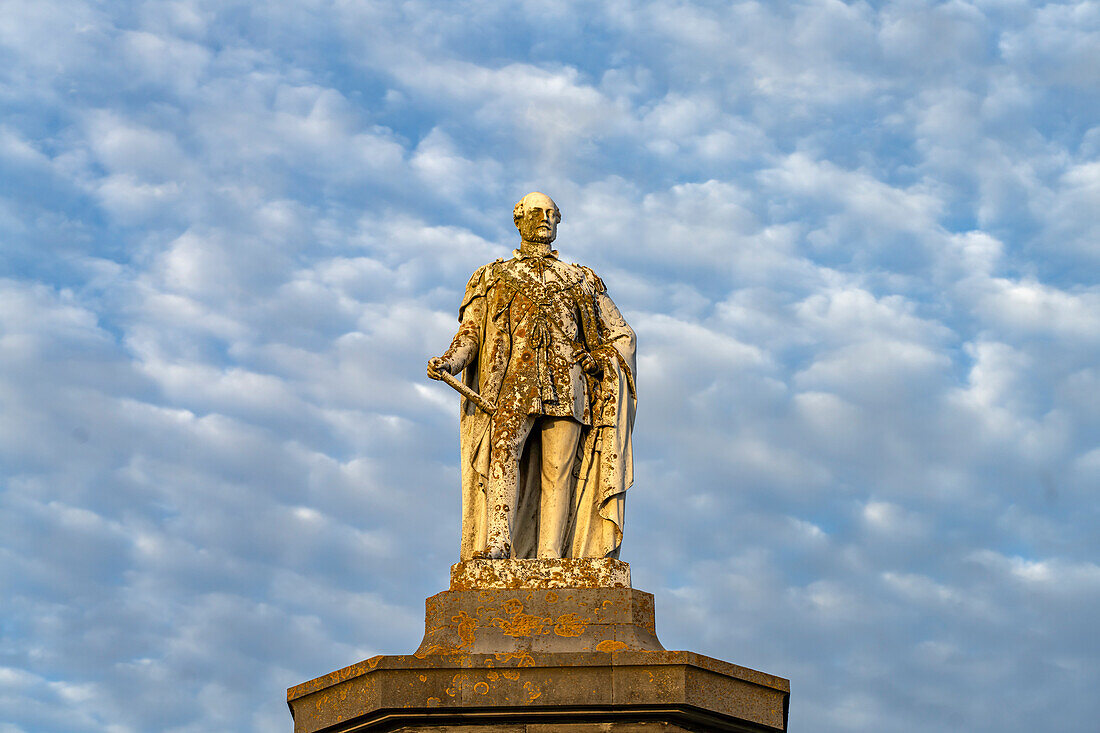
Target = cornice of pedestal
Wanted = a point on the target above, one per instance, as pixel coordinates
(540, 574)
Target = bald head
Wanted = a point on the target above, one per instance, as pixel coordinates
(537, 216)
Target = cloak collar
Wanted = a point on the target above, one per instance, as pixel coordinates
(517, 254)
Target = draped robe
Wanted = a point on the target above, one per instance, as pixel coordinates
(603, 467)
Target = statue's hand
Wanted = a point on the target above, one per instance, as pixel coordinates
(588, 364)
(436, 365)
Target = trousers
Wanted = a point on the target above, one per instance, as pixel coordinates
(558, 440)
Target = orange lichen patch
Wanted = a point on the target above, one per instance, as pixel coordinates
(458, 682)
(481, 688)
(422, 677)
(523, 624)
(510, 675)
(523, 659)
(512, 607)
(610, 645)
(492, 676)
(532, 691)
(551, 597)
(434, 702)
(462, 624)
(570, 624)
(340, 675)
(466, 626)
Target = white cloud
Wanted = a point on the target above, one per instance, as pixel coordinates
(856, 242)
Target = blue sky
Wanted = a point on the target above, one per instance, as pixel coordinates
(858, 243)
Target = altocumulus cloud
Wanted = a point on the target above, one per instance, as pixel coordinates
(857, 241)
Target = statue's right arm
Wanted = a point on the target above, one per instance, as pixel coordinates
(464, 346)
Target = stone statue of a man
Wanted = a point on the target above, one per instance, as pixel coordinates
(546, 473)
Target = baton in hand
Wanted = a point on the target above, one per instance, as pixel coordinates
(466, 392)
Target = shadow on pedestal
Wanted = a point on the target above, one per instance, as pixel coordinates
(535, 646)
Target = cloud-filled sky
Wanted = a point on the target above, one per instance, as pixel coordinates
(858, 243)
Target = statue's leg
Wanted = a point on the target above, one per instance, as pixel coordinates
(560, 436)
(509, 436)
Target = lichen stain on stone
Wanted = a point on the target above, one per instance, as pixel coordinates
(512, 607)
(523, 624)
(610, 645)
(422, 677)
(570, 624)
(458, 682)
(523, 659)
(510, 675)
(551, 597)
(523, 574)
(492, 676)
(532, 691)
(434, 702)
(481, 688)
(466, 626)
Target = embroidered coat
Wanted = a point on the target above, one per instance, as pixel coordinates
(525, 323)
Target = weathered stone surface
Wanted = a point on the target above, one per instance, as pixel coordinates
(535, 660)
(542, 573)
(503, 620)
(520, 691)
(547, 364)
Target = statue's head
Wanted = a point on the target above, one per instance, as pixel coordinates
(537, 216)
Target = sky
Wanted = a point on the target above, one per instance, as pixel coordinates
(858, 244)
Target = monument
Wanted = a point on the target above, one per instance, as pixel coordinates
(541, 629)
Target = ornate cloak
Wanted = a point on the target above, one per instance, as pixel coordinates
(604, 466)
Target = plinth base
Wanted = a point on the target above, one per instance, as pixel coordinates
(575, 692)
(540, 647)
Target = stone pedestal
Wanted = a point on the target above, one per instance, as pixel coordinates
(529, 646)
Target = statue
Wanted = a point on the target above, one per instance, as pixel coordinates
(548, 402)
(541, 620)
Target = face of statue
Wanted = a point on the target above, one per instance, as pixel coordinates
(539, 221)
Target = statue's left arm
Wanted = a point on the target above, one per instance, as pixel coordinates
(613, 330)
